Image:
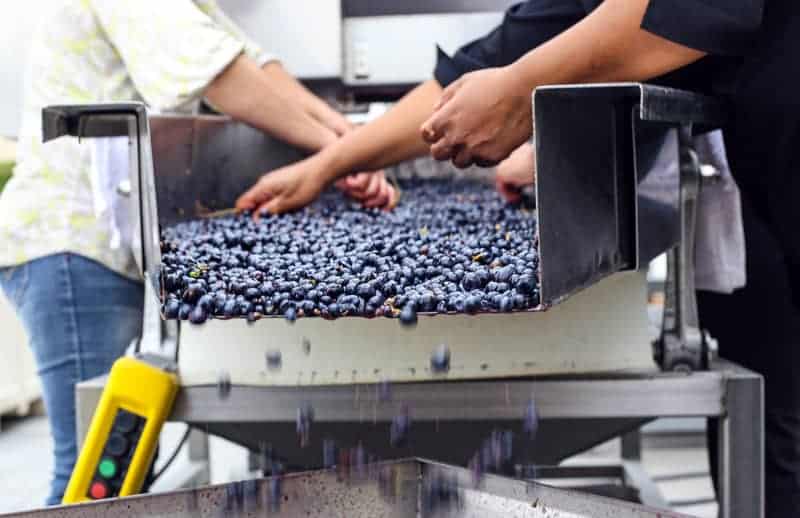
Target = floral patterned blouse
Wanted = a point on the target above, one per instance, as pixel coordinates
(164, 53)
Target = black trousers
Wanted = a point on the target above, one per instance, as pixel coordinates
(758, 327)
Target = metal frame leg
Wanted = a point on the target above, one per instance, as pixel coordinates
(741, 449)
(632, 445)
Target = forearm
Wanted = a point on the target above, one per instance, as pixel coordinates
(314, 106)
(246, 94)
(608, 45)
(388, 140)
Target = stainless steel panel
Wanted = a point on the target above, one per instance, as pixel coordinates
(115, 120)
(326, 493)
(203, 164)
(595, 147)
(453, 442)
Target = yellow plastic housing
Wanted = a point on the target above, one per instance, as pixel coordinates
(139, 388)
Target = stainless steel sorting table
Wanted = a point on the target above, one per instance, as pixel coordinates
(450, 419)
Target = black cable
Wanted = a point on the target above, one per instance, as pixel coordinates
(174, 454)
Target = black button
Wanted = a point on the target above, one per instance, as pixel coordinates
(126, 422)
(117, 445)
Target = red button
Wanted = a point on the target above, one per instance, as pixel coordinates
(98, 490)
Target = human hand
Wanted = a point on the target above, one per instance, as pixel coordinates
(285, 189)
(371, 189)
(515, 172)
(480, 119)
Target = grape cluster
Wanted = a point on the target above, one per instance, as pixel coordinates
(449, 247)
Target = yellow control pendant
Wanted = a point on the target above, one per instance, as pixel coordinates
(123, 435)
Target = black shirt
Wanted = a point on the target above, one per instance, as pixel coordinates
(754, 59)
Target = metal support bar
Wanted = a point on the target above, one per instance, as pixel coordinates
(701, 394)
(741, 449)
(681, 346)
(649, 494)
(632, 445)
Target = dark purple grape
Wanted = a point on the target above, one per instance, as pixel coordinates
(198, 315)
(408, 316)
(445, 239)
(184, 311)
(171, 309)
(472, 304)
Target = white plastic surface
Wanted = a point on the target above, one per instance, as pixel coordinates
(601, 329)
(402, 49)
(306, 36)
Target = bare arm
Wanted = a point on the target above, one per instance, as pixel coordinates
(485, 115)
(314, 106)
(388, 140)
(246, 93)
(608, 45)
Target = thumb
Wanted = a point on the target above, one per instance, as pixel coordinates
(256, 195)
(508, 190)
(247, 201)
(448, 93)
(277, 205)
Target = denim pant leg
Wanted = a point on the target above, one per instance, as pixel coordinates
(80, 317)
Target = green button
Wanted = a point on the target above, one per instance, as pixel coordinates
(108, 468)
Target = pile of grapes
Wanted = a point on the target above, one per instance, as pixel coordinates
(449, 247)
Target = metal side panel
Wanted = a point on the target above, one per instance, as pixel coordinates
(453, 442)
(603, 329)
(119, 120)
(600, 210)
(390, 490)
(203, 164)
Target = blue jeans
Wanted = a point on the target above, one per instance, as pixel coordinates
(80, 317)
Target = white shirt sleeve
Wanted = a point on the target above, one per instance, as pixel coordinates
(171, 48)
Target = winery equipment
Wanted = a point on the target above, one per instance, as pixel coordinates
(122, 441)
(600, 219)
(398, 490)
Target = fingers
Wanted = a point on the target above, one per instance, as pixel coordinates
(442, 150)
(362, 186)
(433, 129)
(382, 197)
(395, 198)
(463, 158)
(257, 194)
(374, 186)
(448, 93)
(273, 206)
(509, 191)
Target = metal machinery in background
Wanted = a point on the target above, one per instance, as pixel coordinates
(600, 215)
